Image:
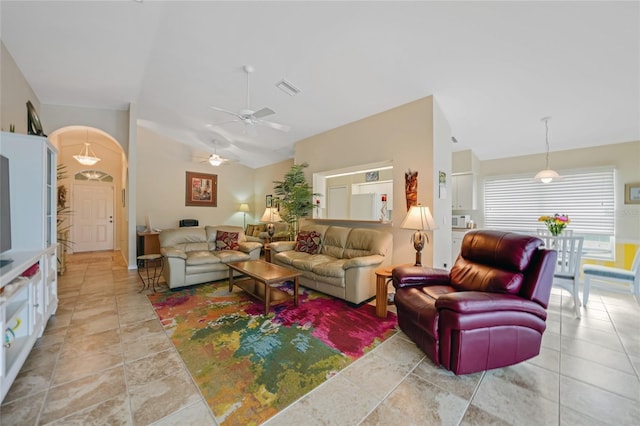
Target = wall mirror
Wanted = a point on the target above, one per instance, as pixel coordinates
(362, 192)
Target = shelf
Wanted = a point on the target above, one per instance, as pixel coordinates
(14, 309)
(17, 351)
(257, 290)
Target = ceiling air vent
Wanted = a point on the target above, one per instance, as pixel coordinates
(287, 87)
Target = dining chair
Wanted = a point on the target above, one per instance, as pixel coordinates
(544, 232)
(613, 279)
(567, 273)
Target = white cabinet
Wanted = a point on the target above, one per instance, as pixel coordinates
(28, 284)
(463, 191)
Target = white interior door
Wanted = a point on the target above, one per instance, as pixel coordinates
(337, 203)
(92, 217)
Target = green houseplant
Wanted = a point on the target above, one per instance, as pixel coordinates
(63, 212)
(296, 197)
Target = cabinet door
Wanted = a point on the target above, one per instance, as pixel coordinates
(463, 192)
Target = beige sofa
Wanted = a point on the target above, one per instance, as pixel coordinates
(345, 263)
(191, 256)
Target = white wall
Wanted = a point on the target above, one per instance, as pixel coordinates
(441, 206)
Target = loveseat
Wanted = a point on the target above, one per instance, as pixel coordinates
(198, 255)
(336, 260)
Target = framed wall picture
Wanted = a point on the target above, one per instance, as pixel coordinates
(201, 190)
(632, 193)
(269, 200)
(372, 176)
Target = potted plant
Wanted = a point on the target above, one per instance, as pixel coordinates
(62, 225)
(296, 197)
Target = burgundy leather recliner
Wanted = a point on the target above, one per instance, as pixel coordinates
(489, 311)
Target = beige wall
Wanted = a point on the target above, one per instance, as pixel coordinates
(263, 186)
(625, 157)
(113, 122)
(15, 91)
(405, 136)
(160, 193)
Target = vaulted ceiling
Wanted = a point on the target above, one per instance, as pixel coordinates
(495, 68)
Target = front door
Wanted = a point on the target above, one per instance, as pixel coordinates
(92, 217)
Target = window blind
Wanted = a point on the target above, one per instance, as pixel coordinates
(587, 196)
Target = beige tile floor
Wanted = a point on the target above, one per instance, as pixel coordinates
(105, 359)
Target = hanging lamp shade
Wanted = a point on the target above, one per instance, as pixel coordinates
(547, 175)
(86, 156)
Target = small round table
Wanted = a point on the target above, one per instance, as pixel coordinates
(149, 262)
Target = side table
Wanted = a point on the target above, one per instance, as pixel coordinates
(267, 253)
(149, 262)
(383, 275)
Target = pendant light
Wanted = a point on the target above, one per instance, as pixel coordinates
(546, 175)
(87, 157)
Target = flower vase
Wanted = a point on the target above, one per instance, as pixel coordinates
(383, 209)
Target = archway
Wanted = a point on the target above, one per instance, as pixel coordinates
(70, 141)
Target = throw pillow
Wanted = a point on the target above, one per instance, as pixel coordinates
(308, 242)
(249, 230)
(226, 240)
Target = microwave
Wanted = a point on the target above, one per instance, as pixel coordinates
(460, 221)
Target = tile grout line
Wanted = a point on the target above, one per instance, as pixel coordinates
(473, 395)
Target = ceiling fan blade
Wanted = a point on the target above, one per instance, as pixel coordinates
(263, 112)
(277, 126)
(235, 114)
(224, 122)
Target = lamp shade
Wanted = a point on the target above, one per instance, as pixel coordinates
(244, 207)
(419, 218)
(86, 157)
(546, 176)
(271, 215)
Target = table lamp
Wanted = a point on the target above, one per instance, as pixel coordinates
(269, 216)
(419, 218)
(244, 208)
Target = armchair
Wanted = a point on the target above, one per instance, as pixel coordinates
(488, 312)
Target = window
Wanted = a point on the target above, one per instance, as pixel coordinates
(587, 196)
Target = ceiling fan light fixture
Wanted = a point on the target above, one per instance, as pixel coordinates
(287, 87)
(547, 175)
(215, 160)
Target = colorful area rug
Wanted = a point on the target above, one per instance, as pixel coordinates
(249, 366)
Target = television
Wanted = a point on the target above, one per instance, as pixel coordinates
(5, 209)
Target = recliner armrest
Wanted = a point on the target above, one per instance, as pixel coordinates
(472, 302)
(173, 252)
(411, 276)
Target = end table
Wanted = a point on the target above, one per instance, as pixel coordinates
(383, 275)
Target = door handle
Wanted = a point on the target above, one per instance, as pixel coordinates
(110, 219)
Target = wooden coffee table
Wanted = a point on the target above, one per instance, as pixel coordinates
(257, 277)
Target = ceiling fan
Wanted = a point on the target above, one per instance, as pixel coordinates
(214, 159)
(249, 117)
